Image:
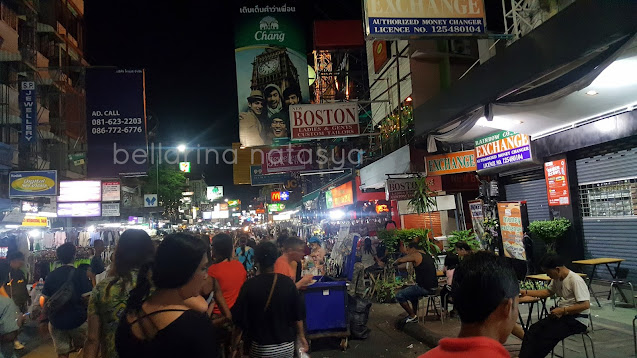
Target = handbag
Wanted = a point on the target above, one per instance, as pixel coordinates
(61, 297)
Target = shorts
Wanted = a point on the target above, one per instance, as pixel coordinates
(412, 293)
(67, 341)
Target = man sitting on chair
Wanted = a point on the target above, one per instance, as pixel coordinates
(426, 280)
(568, 318)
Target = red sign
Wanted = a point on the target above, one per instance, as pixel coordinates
(381, 55)
(329, 120)
(287, 159)
(381, 208)
(556, 183)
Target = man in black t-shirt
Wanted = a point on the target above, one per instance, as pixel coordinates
(426, 280)
(68, 325)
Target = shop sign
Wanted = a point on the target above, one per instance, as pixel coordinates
(556, 183)
(73, 210)
(512, 230)
(257, 178)
(287, 159)
(320, 121)
(381, 55)
(29, 112)
(150, 201)
(405, 189)
(340, 196)
(36, 183)
(234, 203)
(29, 207)
(451, 163)
(441, 203)
(280, 196)
(476, 207)
(281, 217)
(111, 191)
(184, 167)
(406, 19)
(275, 208)
(207, 215)
(80, 191)
(35, 221)
(382, 208)
(214, 192)
(502, 148)
(110, 209)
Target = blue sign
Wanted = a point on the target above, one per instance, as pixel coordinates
(285, 196)
(35, 183)
(116, 123)
(424, 27)
(28, 111)
(257, 178)
(502, 148)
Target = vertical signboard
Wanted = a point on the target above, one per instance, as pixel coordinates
(29, 112)
(477, 217)
(271, 63)
(408, 18)
(116, 123)
(502, 148)
(557, 183)
(381, 55)
(512, 229)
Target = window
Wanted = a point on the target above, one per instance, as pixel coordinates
(609, 199)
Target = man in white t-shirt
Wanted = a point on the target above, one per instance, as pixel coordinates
(571, 316)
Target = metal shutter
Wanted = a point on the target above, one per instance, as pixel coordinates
(415, 221)
(620, 165)
(534, 192)
(612, 238)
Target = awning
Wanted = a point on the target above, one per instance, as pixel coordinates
(585, 27)
(373, 175)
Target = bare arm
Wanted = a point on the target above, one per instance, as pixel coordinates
(92, 345)
(300, 335)
(572, 309)
(197, 303)
(408, 258)
(537, 293)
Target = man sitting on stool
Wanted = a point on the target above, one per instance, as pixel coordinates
(426, 280)
(569, 318)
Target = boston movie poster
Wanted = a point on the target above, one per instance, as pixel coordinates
(271, 69)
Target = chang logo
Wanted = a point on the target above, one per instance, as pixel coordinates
(269, 30)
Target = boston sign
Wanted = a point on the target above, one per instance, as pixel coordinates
(404, 189)
(502, 148)
(451, 163)
(314, 121)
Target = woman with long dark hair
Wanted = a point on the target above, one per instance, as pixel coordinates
(368, 255)
(109, 297)
(160, 324)
(269, 310)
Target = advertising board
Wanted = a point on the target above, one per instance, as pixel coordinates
(80, 191)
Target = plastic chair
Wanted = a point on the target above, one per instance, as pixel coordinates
(586, 334)
(620, 280)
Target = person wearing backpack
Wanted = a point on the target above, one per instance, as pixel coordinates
(67, 291)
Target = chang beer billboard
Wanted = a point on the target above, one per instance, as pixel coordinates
(271, 64)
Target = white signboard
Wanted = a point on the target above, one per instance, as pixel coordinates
(443, 202)
(68, 210)
(80, 191)
(328, 120)
(150, 200)
(214, 192)
(110, 209)
(110, 191)
(220, 214)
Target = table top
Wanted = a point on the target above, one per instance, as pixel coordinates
(440, 274)
(528, 299)
(545, 277)
(599, 261)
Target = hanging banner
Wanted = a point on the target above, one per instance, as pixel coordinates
(116, 123)
(342, 195)
(214, 192)
(557, 183)
(111, 191)
(476, 207)
(80, 191)
(451, 163)
(78, 210)
(257, 178)
(110, 209)
(320, 121)
(271, 63)
(502, 148)
(36, 183)
(35, 221)
(512, 229)
(28, 112)
(405, 189)
(287, 159)
(408, 19)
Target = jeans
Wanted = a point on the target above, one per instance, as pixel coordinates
(412, 294)
(545, 334)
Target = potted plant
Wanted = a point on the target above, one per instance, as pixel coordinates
(467, 236)
(550, 231)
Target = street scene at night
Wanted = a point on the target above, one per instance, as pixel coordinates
(304, 178)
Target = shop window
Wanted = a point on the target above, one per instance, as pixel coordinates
(609, 199)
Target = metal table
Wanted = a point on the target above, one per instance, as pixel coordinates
(601, 261)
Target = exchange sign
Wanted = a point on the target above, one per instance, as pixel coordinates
(502, 148)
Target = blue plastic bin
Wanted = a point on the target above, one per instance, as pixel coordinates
(326, 306)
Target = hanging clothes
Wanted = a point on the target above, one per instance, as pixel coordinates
(95, 236)
(59, 238)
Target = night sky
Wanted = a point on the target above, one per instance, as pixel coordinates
(187, 49)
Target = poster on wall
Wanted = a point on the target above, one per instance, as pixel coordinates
(557, 183)
(326, 120)
(271, 64)
(476, 207)
(512, 229)
(116, 123)
(111, 191)
(110, 209)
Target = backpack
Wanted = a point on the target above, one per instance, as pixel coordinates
(61, 297)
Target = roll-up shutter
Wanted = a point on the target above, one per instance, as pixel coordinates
(415, 221)
(620, 165)
(534, 193)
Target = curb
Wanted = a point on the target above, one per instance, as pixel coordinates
(419, 332)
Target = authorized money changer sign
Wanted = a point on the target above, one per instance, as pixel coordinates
(421, 18)
(36, 183)
(331, 120)
(557, 183)
(451, 163)
(502, 148)
(512, 230)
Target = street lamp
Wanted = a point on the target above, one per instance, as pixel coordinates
(181, 148)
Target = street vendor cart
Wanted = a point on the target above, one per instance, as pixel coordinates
(326, 311)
